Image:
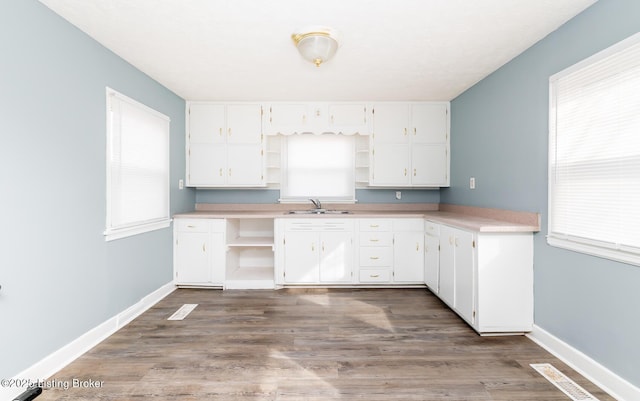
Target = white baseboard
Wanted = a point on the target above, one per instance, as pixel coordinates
(57, 360)
(614, 385)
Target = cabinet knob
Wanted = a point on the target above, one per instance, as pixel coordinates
(414, 172)
(220, 131)
(374, 257)
(374, 275)
(229, 131)
(405, 132)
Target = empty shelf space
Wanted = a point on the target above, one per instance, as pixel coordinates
(250, 241)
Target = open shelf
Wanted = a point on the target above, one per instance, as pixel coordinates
(250, 259)
(250, 241)
(362, 160)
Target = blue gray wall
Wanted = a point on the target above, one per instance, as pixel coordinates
(59, 277)
(272, 195)
(499, 135)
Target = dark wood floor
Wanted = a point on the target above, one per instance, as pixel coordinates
(308, 345)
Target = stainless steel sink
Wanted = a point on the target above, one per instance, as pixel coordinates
(319, 211)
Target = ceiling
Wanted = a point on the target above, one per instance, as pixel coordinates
(234, 50)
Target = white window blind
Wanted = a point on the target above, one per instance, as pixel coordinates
(137, 167)
(318, 166)
(594, 158)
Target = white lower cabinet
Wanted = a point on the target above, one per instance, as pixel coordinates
(199, 256)
(315, 251)
(227, 253)
(487, 278)
(408, 253)
(391, 251)
(432, 256)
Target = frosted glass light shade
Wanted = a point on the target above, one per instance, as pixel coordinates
(316, 46)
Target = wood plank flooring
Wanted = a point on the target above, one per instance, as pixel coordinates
(310, 345)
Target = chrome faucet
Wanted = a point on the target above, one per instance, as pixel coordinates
(316, 203)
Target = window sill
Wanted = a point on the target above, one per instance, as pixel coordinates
(619, 255)
(114, 234)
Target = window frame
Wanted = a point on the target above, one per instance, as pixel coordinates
(600, 248)
(114, 231)
(284, 182)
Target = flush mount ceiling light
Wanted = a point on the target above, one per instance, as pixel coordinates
(316, 44)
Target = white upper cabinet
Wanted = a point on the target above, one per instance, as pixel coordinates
(318, 118)
(406, 143)
(287, 118)
(410, 145)
(206, 123)
(429, 123)
(348, 118)
(391, 123)
(225, 145)
(244, 123)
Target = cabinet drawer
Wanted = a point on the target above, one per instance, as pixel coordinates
(376, 256)
(408, 224)
(375, 224)
(319, 224)
(199, 225)
(375, 276)
(193, 225)
(431, 228)
(373, 238)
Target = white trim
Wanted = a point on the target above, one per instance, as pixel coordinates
(614, 385)
(54, 362)
(113, 234)
(113, 231)
(585, 246)
(613, 49)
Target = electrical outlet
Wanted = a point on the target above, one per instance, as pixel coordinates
(472, 183)
(398, 195)
(180, 183)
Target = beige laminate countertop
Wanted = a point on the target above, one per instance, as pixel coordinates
(484, 221)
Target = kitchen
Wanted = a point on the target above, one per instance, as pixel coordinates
(53, 88)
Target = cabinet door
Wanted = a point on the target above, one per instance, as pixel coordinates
(245, 165)
(206, 123)
(429, 122)
(430, 165)
(390, 165)
(207, 165)
(218, 259)
(301, 258)
(287, 118)
(464, 274)
(408, 257)
(192, 259)
(348, 118)
(244, 123)
(391, 123)
(432, 262)
(447, 264)
(336, 257)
